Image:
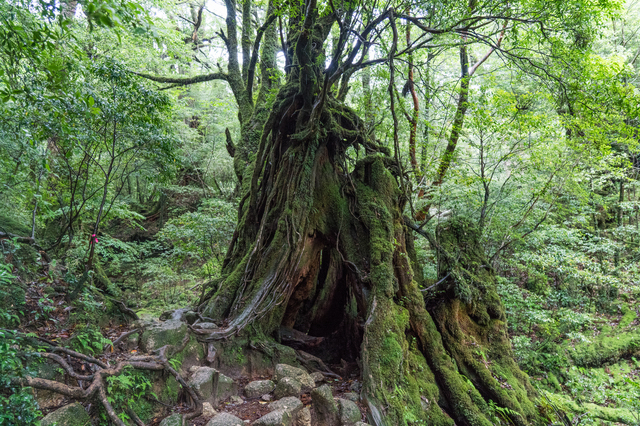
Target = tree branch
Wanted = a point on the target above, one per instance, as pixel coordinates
(183, 81)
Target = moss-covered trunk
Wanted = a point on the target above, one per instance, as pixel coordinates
(321, 250)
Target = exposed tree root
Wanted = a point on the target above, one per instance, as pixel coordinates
(159, 361)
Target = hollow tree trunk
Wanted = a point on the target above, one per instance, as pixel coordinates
(324, 251)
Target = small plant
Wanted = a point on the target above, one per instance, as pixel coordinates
(502, 414)
(633, 399)
(17, 404)
(89, 341)
(126, 390)
(11, 297)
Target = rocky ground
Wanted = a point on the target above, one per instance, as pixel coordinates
(247, 393)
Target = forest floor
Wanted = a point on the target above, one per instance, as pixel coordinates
(590, 371)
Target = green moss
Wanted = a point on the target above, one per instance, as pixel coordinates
(222, 299)
(553, 381)
(145, 409)
(609, 414)
(607, 347)
(170, 390)
(628, 316)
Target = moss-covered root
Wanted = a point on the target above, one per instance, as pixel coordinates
(399, 386)
(414, 371)
(607, 414)
(471, 321)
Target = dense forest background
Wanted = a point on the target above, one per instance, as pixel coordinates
(120, 191)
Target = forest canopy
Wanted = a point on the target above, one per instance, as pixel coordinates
(430, 205)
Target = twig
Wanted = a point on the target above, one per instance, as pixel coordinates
(120, 339)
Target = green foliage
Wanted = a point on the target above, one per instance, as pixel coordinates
(17, 404)
(201, 236)
(127, 390)
(11, 296)
(89, 340)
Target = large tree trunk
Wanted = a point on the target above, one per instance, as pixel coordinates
(323, 250)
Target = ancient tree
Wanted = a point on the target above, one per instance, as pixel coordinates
(323, 247)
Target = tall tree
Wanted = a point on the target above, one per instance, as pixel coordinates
(324, 249)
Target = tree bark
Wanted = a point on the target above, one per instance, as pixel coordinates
(326, 253)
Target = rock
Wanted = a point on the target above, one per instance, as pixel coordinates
(158, 334)
(303, 418)
(362, 424)
(225, 419)
(207, 410)
(174, 315)
(191, 355)
(275, 418)
(266, 397)
(202, 381)
(212, 385)
(290, 404)
(300, 415)
(351, 396)
(69, 415)
(325, 408)
(259, 387)
(317, 377)
(193, 368)
(131, 342)
(236, 400)
(355, 387)
(48, 399)
(172, 420)
(349, 412)
(284, 370)
(190, 317)
(287, 386)
(223, 387)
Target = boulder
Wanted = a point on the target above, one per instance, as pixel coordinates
(172, 420)
(351, 396)
(191, 355)
(212, 385)
(284, 370)
(190, 317)
(158, 334)
(258, 388)
(131, 342)
(223, 387)
(207, 410)
(69, 415)
(202, 382)
(300, 415)
(236, 400)
(349, 412)
(317, 377)
(287, 386)
(325, 407)
(275, 418)
(303, 418)
(50, 371)
(225, 419)
(290, 403)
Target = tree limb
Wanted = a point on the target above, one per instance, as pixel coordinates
(183, 81)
